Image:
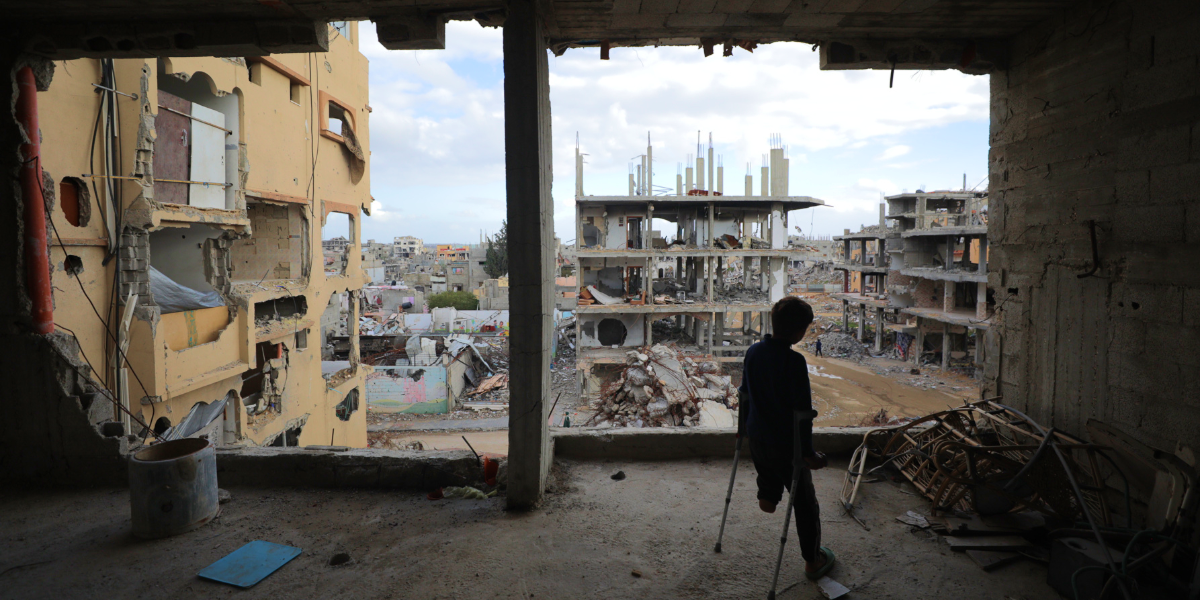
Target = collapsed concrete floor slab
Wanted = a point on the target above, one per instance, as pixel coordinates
(587, 541)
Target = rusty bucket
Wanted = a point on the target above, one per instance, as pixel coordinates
(173, 487)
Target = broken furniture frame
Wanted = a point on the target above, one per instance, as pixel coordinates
(988, 459)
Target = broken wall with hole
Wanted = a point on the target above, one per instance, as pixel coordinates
(278, 247)
(118, 222)
(612, 330)
(1097, 121)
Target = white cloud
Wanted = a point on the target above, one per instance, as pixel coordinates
(437, 131)
(895, 152)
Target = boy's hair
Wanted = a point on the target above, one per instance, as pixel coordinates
(790, 316)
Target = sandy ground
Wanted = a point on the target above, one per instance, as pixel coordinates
(586, 541)
(845, 392)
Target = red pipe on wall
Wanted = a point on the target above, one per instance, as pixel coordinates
(37, 255)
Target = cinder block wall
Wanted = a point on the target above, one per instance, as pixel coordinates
(1098, 118)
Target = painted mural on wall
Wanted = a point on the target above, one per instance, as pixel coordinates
(408, 389)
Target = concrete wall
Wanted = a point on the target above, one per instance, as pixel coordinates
(1098, 118)
(408, 389)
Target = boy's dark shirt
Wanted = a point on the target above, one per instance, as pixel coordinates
(776, 379)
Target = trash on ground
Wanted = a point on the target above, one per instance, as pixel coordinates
(250, 564)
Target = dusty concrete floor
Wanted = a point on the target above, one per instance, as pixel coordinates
(585, 542)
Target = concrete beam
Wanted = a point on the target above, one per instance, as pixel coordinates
(681, 443)
(347, 468)
(145, 39)
(527, 146)
(969, 56)
(415, 32)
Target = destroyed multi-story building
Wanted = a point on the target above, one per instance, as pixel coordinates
(923, 276)
(200, 183)
(407, 246)
(729, 254)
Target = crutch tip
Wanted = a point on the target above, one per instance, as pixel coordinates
(717, 548)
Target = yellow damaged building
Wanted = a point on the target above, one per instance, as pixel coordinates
(187, 199)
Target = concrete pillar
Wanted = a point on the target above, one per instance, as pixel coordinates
(980, 300)
(528, 173)
(845, 316)
(945, 346)
(983, 255)
(879, 330)
(708, 278)
(862, 321)
(712, 216)
(919, 346)
(949, 261)
(719, 327)
(978, 347)
(948, 295)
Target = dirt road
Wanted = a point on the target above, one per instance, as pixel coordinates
(845, 392)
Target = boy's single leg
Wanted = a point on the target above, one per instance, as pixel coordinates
(766, 464)
(808, 516)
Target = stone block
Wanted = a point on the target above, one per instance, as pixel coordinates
(1129, 335)
(1191, 307)
(1142, 224)
(1175, 184)
(1159, 303)
(1191, 225)
(1155, 148)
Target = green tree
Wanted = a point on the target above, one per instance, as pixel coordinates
(496, 261)
(459, 300)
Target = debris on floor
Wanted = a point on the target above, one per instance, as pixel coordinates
(915, 519)
(1002, 489)
(658, 388)
(618, 476)
(831, 589)
(250, 564)
(841, 345)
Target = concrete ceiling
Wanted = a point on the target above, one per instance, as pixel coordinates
(966, 29)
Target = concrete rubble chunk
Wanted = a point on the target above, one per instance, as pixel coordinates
(658, 388)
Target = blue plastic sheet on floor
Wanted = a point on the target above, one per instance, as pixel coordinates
(250, 564)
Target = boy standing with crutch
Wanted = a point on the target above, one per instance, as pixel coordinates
(775, 379)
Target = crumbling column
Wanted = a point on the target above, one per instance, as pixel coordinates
(527, 145)
(845, 315)
(949, 253)
(878, 329)
(948, 295)
(980, 300)
(862, 321)
(919, 346)
(978, 347)
(945, 346)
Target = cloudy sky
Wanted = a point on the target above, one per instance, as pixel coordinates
(437, 130)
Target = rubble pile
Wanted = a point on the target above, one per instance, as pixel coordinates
(391, 325)
(819, 273)
(840, 345)
(658, 389)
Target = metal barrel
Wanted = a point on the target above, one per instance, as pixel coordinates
(173, 487)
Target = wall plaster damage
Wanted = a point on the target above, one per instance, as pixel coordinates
(203, 315)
